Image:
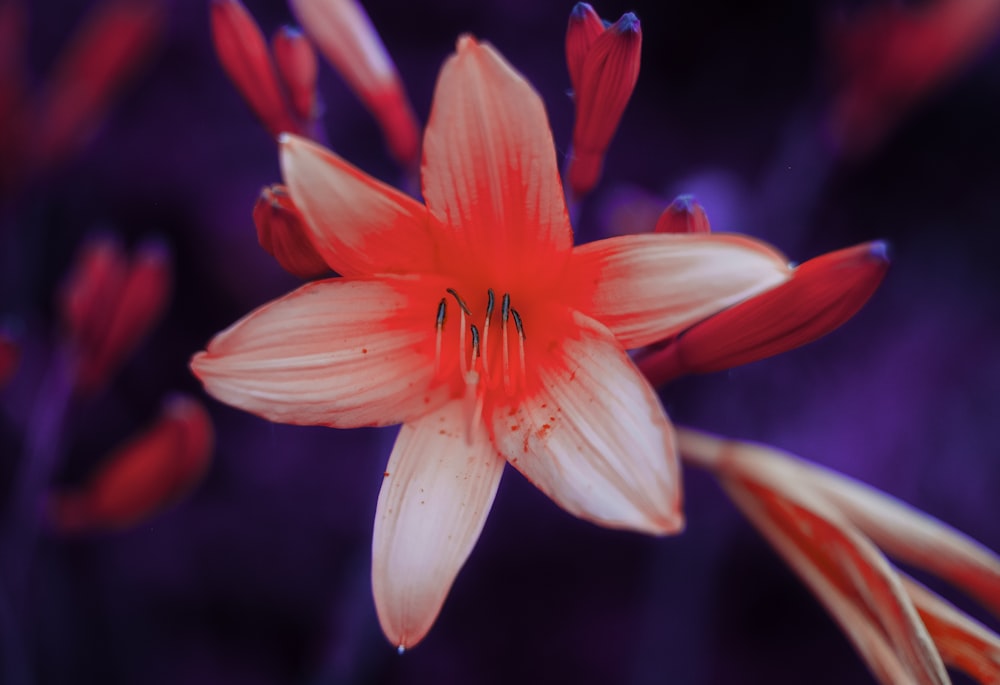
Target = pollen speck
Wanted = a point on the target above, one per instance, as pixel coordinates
(385, 474)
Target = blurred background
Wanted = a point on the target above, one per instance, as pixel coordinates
(261, 575)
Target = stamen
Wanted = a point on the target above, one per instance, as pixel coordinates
(504, 315)
(475, 345)
(461, 302)
(439, 324)
(490, 302)
(520, 339)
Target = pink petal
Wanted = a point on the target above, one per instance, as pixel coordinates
(594, 437)
(339, 352)
(841, 566)
(438, 489)
(360, 226)
(964, 643)
(490, 172)
(648, 287)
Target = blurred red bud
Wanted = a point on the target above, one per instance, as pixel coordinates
(297, 65)
(346, 37)
(10, 356)
(282, 232)
(684, 215)
(143, 476)
(244, 55)
(822, 294)
(12, 84)
(114, 43)
(606, 80)
(109, 304)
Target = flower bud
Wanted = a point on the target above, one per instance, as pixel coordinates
(822, 294)
(296, 61)
(684, 215)
(281, 231)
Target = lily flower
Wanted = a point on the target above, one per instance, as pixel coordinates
(475, 322)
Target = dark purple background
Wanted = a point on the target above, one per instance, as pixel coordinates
(263, 575)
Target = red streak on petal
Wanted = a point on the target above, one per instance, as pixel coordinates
(584, 27)
(144, 475)
(243, 53)
(114, 43)
(609, 75)
(297, 65)
(684, 215)
(822, 294)
(281, 231)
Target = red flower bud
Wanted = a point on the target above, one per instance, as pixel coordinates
(243, 53)
(10, 356)
(143, 476)
(296, 61)
(107, 51)
(684, 215)
(822, 294)
(281, 231)
(583, 29)
(345, 35)
(606, 81)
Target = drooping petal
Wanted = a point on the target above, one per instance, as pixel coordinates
(842, 567)
(593, 436)
(822, 294)
(648, 287)
(339, 352)
(360, 226)
(438, 489)
(964, 643)
(489, 172)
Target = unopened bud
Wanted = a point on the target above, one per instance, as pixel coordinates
(281, 231)
(684, 215)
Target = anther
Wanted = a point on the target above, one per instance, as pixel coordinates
(520, 350)
(461, 302)
(439, 325)
(475, 345)
(504, 316)
(490, 302)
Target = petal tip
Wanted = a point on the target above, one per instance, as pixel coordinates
(880, 251)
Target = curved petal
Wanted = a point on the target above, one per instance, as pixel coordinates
(359, 225)
(339, 352)
(594, 437)
(438, 489)
(489, 171)
(648, 287)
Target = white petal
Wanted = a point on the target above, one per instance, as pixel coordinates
(594, 437)
(438, 489)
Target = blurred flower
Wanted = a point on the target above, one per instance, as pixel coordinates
(345, 35)
(684, 215)
(891, 56)
(827, 526)
(109, 303)
(535, 371)
(281, 231)
(10, 355)
(40, 131)
(143, 476)
(603, 67)
(822, 294)
(277, 98)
